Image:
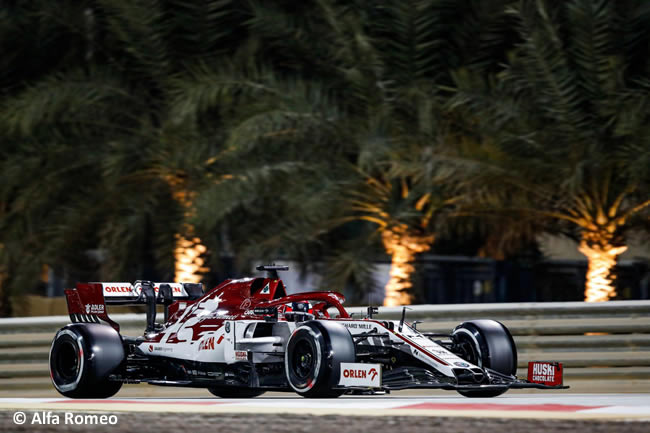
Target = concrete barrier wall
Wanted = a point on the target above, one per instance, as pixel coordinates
(603, 345)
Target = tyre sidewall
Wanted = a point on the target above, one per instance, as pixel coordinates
(99, 352)
(334, 345)
(316, 378)
(69, 387)
(494, 342)
(496, 350)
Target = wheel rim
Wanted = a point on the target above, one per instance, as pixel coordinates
(303, 359)
(467, 348)
(469, 351)
(66, 362)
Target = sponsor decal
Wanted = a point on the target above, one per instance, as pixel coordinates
(359, 374)
(207, 344)
(95, 309)
(127, 289)
(547, 373)
(267, 310)
(266, 290)
(245, 304)
(163, 349)
(150, 348)
(461, 364)
(355, 325)
(241, 355)
(118, 289)
(220, 340)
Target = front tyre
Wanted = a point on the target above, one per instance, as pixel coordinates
(82, 357)
(488, 344)
(313, 358)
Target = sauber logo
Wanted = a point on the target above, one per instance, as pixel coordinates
(358, 374)
(207, 344)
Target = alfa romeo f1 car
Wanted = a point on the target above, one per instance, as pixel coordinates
(247, 336)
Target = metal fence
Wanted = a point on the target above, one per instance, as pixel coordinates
(604, 343)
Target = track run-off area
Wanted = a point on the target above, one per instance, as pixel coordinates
(514, 406)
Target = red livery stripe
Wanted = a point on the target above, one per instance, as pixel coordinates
(168, 403)
(496, 406)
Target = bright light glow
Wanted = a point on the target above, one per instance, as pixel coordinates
(403, 247)
(187, 253)
(602, 258)
(189, 263)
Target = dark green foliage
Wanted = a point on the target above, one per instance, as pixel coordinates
(275, 116)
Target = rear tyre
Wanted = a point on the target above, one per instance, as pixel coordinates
(313, 358)
(486, 343)
(82, 357)
(234, 392)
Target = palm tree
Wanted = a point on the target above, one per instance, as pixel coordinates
(367, 104)
(91, 159)
(564, 126)
(201, 120)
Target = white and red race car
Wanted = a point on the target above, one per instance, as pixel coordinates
(247, 336)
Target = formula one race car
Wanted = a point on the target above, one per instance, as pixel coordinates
(247, 336)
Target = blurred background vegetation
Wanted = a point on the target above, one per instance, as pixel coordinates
(332, 133)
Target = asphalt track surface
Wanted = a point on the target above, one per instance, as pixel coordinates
(394, 413)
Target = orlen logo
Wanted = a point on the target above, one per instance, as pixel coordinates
(359, 374)
(117, 289)
(207, 344)
(174, 289)
(356, 374)
(150, 348)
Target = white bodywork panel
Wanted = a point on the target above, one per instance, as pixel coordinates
(232, 341)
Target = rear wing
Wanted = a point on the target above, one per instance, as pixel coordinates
(87, 301)
(132, 294)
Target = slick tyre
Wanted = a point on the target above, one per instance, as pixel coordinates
(486, 343)
(313, 358)
(82, 357)
(235, 392)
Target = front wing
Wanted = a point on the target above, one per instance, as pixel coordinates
(416, 377)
